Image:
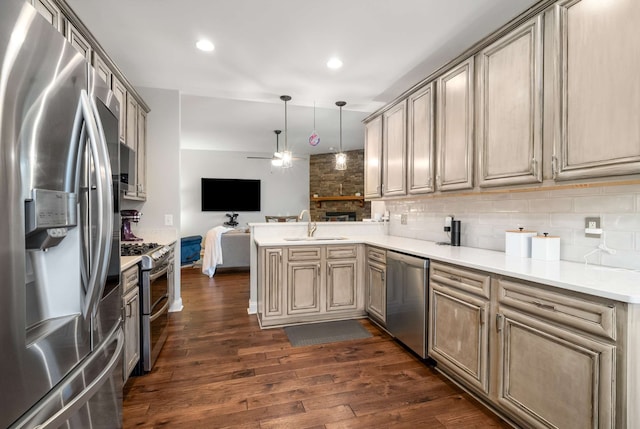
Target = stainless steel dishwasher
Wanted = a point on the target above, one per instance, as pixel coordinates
(407, 281)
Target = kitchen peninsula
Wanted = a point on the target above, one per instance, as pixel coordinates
(565, 330)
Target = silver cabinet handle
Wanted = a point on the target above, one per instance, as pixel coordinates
(544, 306)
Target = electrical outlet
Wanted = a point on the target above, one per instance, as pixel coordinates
(447, 223)
(592, 227)
(403, 219)
(168, 220)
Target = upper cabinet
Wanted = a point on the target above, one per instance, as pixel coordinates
(394, 149)
(373, 158)
(455, 128)
(598, 88)
(79, 42)
(509, 126)
(51, 12)
(421, 140)
(133, 110)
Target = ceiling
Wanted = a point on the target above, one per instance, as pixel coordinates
(264, 49)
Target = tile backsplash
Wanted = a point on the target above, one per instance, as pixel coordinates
(559, 212)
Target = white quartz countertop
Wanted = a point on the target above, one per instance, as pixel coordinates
(128, 261)
(614, 283)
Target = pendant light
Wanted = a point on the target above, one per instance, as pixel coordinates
(341, 157)
(276, 161)
(287, 158)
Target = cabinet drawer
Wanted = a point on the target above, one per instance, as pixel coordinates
(130, 278)
(342, 252)
(377, 254)
(303, 253)
(589, 316)
(474, 282)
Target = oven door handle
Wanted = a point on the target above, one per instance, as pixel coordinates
(159, 274)
(162, 310)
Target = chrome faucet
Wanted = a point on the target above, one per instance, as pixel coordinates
(311, 226)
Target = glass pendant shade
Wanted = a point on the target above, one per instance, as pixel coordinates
(341, 157)
(287, 157)
(341, 161)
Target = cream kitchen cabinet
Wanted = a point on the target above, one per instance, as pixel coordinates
(394, 150)
(553, 372)
(141, 155)
(78, 41)
(303, 280)
(51, 12)
(421, 140)
(298, 284)
(458, 323)
(102, 69)
(454, 112)
(342, 278)
(120, 92)
(373, 158)
(597, 99)
(131, 318)
(271, 298)
(509, 125)
(376, 286)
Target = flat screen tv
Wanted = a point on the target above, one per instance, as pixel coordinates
(230, 195)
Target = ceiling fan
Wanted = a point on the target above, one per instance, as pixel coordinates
(278, 157)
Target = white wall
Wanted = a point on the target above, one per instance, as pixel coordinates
(284, 191)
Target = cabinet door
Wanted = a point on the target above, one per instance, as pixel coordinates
(459, 335)
(455, 128)
(141, 155)
(376, 302)
(132, 122)
(394, 148)
(51, 12)
(102, 69)
(131, 305)
(341, 285)
(120, 92)
(553, 378)
(598, 96)
(303, 286)
(509, 132)
(421, 140)
(272, 283)
(78, 41)
(373, 158)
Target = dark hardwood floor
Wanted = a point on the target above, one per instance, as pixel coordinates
(218, 369)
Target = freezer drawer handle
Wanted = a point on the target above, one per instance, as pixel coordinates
(76, 403)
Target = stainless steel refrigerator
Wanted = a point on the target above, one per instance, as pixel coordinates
(61, 333)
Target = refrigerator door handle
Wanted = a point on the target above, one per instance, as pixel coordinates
(100, 155)
(76, 403)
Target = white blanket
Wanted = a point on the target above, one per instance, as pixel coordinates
(213, 250)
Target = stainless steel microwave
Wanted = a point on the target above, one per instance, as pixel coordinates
(127, 169)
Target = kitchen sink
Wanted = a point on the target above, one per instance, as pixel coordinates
(313, 238)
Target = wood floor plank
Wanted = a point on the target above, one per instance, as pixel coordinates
(218, 369)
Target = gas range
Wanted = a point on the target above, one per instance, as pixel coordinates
(153, 254)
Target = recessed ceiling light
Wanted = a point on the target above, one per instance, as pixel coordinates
(204, 45)
(334, 63)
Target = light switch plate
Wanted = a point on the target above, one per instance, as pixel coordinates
(403, 219)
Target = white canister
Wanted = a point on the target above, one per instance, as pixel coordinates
(545, 247)
(518, 243)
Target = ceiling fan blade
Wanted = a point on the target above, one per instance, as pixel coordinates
(258, 157)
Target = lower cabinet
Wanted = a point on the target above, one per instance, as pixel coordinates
(459, 328)
(300, 284)
(550, 377)
(543, 357)
(376, 287)
(131, 318)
